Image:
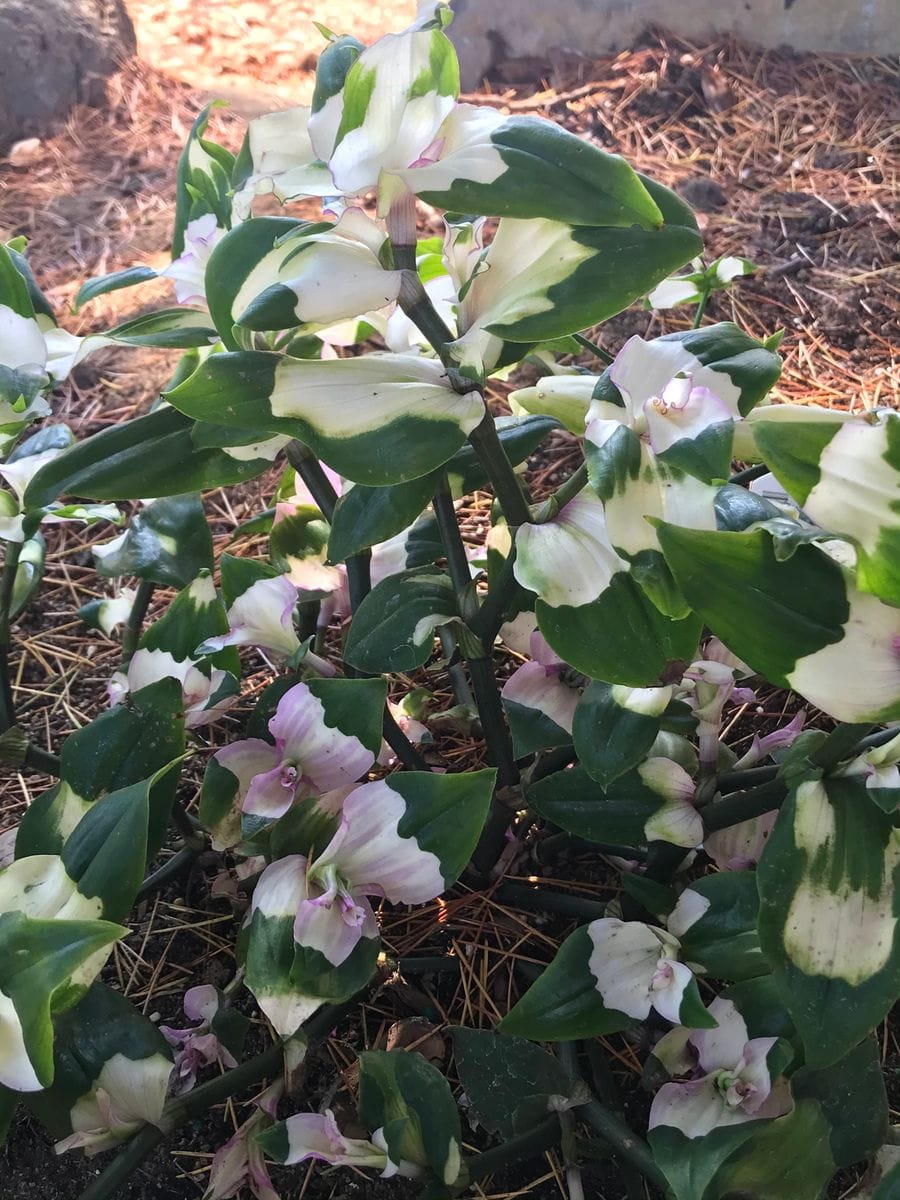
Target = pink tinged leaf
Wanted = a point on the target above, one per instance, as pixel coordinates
(201, 1003)
(682, 412)
(334, 927)
(328, 757)
(741, 846)
(624, 962)
(721, 1048)
(371, 856)
(281, 888)
(247, 759)
(271, 794)
(695, 1108)
(754, 1083)
(316, 1135)
(533, 687)
(667, 987)
(263, 616)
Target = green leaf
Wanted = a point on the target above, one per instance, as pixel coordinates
(722, 939)
(167, 542)
(102, 285)
(769, 613)
(393, 628)
(331, 70)
(542, 170)
(194, 616)
(564, 1003)
(692, 1164)
(403, 1094)
(828, 913)
(203, 180)
(365, 516)
(29, 574)
(148, 456)
(444, 813)
(121, 746)
(106, 853)
(847, 477)
(798, 621)
(379, 419)
(167, 328)
(785, 1159)
(615, 727)
(37, 959)
(234, 260)
(14, 290)
(620, 637)
(510, 1083)
(579, 805)
(852, 1096)
(104, 1023)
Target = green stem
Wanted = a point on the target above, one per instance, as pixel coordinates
(507, 489)
(416, 303)
(131, 635)
(7, 586)
(625, 1143)
(518, 1149)
(701, 309)
(733, 781)
(595, 349)
(180, 862)
(358, 566)
(481, 671)
(570, 488)
(560, 843)
(841, 743)
(749, 474)
(310, 471)
(499, 601)
(544, 900)
(743, 806)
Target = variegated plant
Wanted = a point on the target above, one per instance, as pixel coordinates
(636, 614)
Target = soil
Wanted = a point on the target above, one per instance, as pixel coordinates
(788, 160)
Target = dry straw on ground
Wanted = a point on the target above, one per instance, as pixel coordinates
(791, 160)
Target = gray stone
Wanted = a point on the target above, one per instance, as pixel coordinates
(54, 54)
(488, 31)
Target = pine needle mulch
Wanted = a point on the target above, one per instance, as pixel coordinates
(790, 160)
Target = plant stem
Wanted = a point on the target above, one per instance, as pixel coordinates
(558, 843)
(595, 349)
(701, 309)
(518, 1149)
(359, 580)
(743, 806)
(570, 488)
(178, 864)
(481, 671)
(611, 1107)
(486, 444)
(841, 743)
(416, 303)
(131, 634)
(310, 471)
(400, 744)
(733, 781)
(7, 586)
(749, 474)
(625, 1143)
(498, 602)
(521, 896)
